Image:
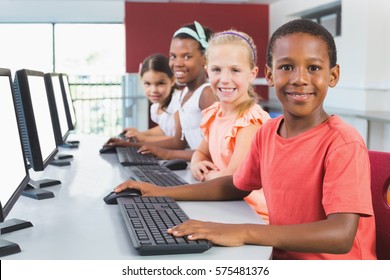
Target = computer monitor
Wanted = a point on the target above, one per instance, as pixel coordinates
(34, 115)
(14, 171)
(59, 118)
(57, 107)
(36, 125)
(69, 109)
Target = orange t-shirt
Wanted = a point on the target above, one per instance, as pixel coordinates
(305, 178)
(218, 129)
(222, 131)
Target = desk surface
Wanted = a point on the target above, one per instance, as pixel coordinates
(77, 224)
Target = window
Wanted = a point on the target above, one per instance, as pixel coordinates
(87, 49)
(329, 17)
(92, 55)
(94, 49)
(26, 46)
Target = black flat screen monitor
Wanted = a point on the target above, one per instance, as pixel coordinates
(15, 176)
(57, 107)
(69, 109)
(13, 166)
(35, 118)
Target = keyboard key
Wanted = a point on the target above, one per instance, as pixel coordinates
(130, 156)
(155, 174)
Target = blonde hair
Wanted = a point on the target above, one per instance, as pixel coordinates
(241, 39)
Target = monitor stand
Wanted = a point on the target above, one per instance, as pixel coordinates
(67, 145)
(59, 162)
(14, 225)
(74, 142)
(8, 247)
(33, 189)
(71, 144)
(63, 156)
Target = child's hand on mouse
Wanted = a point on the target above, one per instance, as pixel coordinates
(116, 142)
(146, 189)
(217, 233)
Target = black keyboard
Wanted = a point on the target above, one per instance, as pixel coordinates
(129, 156)
(147, 220)
(155, 174)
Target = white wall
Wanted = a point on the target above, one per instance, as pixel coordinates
(91, 11)
(363, 54)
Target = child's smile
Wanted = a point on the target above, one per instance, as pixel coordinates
(230, 73)
(301, 74)
(299, 96)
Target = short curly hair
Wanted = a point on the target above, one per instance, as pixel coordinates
(303, 26)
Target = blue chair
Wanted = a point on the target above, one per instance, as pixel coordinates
(380, 182)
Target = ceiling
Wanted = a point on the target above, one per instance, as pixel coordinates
(176, 1)
(212, 1)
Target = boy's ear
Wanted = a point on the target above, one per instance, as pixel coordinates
(334, 76)
(268, 75)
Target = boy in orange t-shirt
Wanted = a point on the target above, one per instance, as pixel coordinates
(314, 168)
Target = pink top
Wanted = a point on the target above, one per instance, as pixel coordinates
(219, 129)
(322, 171)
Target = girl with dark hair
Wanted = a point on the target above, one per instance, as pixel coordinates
(187, 62)
(159, 87)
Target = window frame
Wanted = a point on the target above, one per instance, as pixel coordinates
(323, 12)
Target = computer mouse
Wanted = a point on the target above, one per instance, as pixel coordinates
(112, 196)
(107, 150)
(175, 164)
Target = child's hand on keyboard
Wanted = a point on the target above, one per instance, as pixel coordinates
(217, 233)
(130, 132)
(154, 150)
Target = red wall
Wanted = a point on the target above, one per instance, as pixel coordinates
(150, 26)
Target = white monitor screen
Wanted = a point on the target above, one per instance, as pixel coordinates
(69, 99)
(12, 165)
(60, 105)
(42, 115)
